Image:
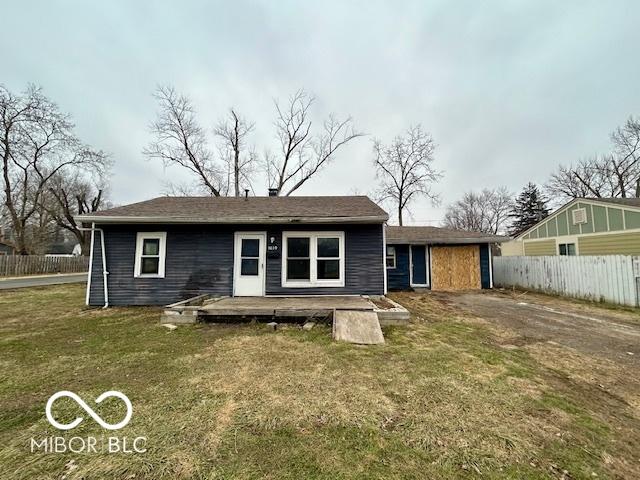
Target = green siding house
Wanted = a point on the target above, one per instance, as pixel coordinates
(584, 226)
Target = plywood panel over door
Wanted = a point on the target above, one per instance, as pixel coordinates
(455, 268)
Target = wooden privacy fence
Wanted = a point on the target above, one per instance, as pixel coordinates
(16, 265)
(610, 278)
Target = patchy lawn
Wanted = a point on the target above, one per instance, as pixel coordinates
(444, 398)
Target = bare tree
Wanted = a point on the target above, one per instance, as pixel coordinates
(37, 143)
(405, 169)
(486, 211)
(612, 175)
(240, 161)
(303, 153)
(180, 140)
(624, 162)
(583, 179)
(73, 195)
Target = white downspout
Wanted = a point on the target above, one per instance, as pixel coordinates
(104, 268)
(93, 229)
(384, 255)
(490, 266)
(90, 268)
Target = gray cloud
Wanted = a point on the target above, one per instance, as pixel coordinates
(508, 89)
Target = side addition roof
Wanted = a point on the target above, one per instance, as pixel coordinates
(437, 235)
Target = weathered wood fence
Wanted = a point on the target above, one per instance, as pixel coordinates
(610, 278)
(17, 265)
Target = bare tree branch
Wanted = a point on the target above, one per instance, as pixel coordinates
(37, 144)
(486, 211)
(303, 153)
(179, 139)
(405, 169)
(613, 175)
(233, 132)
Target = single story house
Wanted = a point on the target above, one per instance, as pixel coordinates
(438, 258)
(172, 248)
(584, 226)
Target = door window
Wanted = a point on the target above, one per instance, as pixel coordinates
(249, 256)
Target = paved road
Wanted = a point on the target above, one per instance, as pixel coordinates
(40, 280)
(611, 334)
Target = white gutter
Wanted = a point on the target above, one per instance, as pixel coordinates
(104, 263)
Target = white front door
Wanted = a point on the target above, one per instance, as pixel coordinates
(249, 264)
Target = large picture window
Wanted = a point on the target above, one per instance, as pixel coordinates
(313, 259)
(150, 254)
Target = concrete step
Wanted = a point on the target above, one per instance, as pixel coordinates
(357, 326)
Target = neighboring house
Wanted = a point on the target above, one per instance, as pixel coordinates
(6, 249)
(172, 248)
(64, 249)
(584, 226)
(438, 258)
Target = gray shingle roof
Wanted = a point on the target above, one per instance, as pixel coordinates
(439, 235)
(243, 210)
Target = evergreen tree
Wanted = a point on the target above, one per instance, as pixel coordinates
(530, 207)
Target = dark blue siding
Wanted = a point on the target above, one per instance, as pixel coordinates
(364, 265)
(485, 278)
(398, 278)
(200, 260)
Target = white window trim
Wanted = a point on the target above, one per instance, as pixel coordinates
(162, 250)
(387, 256)
(567, 239)
(313, 260)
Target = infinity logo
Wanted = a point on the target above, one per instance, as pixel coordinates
(89, 410)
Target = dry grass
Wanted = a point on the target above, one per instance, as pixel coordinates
(442, 399)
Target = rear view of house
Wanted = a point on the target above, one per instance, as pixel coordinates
(438, 258)
(171, 248)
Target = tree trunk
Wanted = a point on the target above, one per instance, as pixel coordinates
(400, 215)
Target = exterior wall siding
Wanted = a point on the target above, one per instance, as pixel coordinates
(512, 248)
(602, 234)
(541, 247)
(611, 244)
(398, 278)
(599, 218)
(364, 263)
(200, 260)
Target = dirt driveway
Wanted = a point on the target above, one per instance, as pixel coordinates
(612, 334)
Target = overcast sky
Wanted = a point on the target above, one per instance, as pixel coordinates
(507, 89)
